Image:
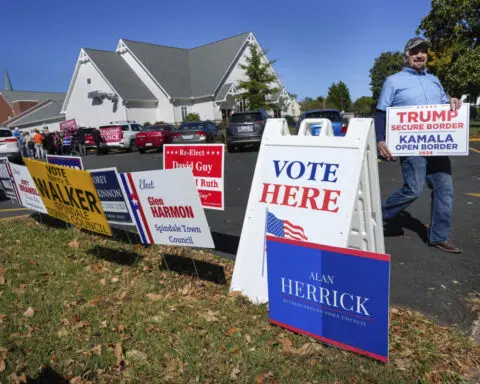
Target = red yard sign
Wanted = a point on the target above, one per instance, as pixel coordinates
(68, 127)
(111, 134)
(207, 163)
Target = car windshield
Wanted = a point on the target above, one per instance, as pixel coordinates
(192, 127)
(245, 117)
(155, 128)
(330, 115)
(89, 131)
(5, 133)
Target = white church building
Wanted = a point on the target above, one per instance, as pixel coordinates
(148, 83)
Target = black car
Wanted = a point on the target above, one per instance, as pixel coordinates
(196, 132)
(245, 128)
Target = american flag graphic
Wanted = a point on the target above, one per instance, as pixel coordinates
(284, 228)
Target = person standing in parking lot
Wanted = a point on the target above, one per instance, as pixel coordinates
(414, 86)
(38, 140)
(81, 141)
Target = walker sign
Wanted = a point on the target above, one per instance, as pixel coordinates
(337, 295)
(166, 208)
(428, 130)
(207, 163)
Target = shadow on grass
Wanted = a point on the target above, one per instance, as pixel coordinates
(186, 266)
(47, 376)
(225, 243)
(405, 220)
(118, 256)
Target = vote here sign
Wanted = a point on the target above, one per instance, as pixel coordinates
(428, 130)
(207, 164)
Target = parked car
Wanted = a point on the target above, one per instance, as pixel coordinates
(338, 125)
(154, 136)
(121, 134)
(197, 132)
(9, 145)
(245, 128)
(89, 140)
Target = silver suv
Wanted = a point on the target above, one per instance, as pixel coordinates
(120, 134)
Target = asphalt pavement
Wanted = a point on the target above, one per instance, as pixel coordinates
(422, 277)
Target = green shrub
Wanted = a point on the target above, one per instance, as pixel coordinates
(192, 117)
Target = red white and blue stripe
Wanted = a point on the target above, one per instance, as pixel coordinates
(284, 228)
(137, 209)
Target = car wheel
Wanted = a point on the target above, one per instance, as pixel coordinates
(141, 150)
(132, 147)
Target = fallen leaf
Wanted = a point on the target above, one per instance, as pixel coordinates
(73, 244)
(81, 324)
(309, 349)
(154, 297)
(137, 356)
(235, 294)
(118, 351)
(210, 316)
(287, 346)
(29, 312)
(260, 379)
(2, 365)
(2, 275)
(102, 281)
(248, 338)
(76, 380)
(232, 330)
(103, 324)
(96, 350)
(234, 373)
(115, 280)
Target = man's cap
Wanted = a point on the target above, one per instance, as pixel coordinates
(415, 42)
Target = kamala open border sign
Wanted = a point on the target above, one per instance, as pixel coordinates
(339, 296)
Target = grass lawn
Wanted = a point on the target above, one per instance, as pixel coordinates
(78, 308)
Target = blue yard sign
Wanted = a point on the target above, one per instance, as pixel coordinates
(66, 161)
(339, 296)
(112, 196)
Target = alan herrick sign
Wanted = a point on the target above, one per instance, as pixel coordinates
(337, 295)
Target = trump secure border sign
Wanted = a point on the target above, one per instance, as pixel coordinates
(337, 295)
(428, 130)
(69, 195)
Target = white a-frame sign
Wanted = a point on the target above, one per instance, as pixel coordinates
(322, 189)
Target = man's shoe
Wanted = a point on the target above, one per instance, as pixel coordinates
(447, 246)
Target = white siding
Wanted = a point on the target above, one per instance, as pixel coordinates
(205, 110)
(141, 112)
(165, 108)
(52, 126)
(81, 108)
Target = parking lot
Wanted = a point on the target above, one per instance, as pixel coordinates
(422, 277)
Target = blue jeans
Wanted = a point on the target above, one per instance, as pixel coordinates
(436, 170)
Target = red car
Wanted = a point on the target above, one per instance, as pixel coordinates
(153, 137)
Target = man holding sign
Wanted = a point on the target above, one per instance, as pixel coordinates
(414, 86)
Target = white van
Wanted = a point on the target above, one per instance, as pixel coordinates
(120, 134)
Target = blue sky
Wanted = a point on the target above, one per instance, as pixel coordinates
(316, 43)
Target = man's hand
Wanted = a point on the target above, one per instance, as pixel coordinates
(384, 152)
(455, 103)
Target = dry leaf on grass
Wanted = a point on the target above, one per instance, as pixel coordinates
(29, 312)
(261, 379)
(210, 316)
(3, 356)
(232, 330)
(137, 356)
(234, 373)
(115, 280)
(2, 275)
(154, 297)
(73, 244)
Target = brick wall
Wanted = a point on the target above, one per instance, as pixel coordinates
(5, 110)
(22, 106)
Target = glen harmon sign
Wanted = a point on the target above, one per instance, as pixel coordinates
(339, 296)
(428, 130)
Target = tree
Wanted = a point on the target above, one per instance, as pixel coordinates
(308, 103)
(453, 27)
(257, 86)
(339, 96)
(364, 106)
(192, 117)
(385, 65)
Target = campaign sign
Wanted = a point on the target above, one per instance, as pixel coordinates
(67, 127)
(428, 130)
(207, 163)
(28, 193)
(166, 208)
(112, 196)
(69, 195)
(111, 135)
(339, 296)
(66, 161)
(6, 180)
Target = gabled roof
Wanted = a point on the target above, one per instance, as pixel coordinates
(12, 96)
(119, 74)
(48, 110)
(186, 73)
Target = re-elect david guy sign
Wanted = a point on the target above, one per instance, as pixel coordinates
(69, 195)
(339, 296)
(207, 164)
(428, 130)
